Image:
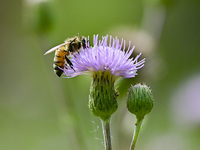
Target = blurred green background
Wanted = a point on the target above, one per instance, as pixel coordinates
(39, 111)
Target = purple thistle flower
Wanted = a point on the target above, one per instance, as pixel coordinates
(104, 56)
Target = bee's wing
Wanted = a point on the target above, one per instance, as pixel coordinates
(56, 47)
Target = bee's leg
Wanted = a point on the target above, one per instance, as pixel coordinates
(69, 62)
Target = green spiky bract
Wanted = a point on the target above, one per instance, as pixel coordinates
(103, 95)
(140, 100)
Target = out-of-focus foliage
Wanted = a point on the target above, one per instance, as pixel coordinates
(39, 111)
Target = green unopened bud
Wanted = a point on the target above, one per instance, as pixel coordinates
(103, 96)
(140, 100)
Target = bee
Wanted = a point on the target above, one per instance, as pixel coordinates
(62, 51)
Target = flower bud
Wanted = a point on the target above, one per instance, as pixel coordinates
(140, 100)
(103, 96)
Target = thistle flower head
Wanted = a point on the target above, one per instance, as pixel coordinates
(105, 56)
(104, 62)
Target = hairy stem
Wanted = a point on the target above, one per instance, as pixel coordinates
(136, 133)
(106, 134)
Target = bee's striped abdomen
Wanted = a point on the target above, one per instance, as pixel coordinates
(59, 62)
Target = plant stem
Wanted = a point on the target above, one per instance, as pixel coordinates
(136, 133)
(106, 134)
